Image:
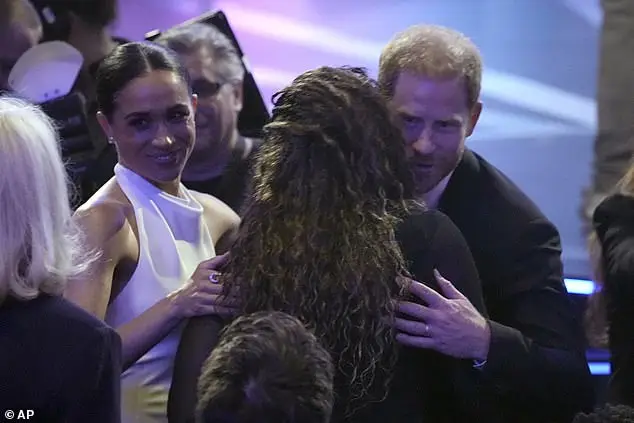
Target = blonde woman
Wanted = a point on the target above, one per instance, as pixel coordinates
(612, 308)
(57, 362)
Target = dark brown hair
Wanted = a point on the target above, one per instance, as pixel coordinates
(128, 62)
(317, 238)
(267, 367)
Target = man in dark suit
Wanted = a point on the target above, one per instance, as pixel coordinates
(528, 358)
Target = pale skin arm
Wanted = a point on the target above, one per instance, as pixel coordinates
(107, 230)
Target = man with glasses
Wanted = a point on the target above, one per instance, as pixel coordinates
(219, 163)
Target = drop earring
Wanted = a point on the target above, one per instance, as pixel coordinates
(110, 140)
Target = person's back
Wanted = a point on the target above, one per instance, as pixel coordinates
(326, 237)
(58, 361)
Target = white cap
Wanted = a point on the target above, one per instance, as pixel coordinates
(46, 71)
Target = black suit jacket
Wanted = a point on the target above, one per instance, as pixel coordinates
(536, 369)
(614, 224)
(426, 386)
(58, 361)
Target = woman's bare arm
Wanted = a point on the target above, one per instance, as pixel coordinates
(107, 231)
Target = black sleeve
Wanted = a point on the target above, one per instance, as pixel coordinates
(614, 225)
(452, 258)
(198, 339)
(430, 240)
(537, 354)
(101, 402)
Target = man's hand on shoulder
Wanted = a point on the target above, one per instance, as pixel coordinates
(445, 322)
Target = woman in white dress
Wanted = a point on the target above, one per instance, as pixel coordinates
(155, 236)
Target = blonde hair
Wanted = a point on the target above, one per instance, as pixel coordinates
(40, 247)
(432, 51)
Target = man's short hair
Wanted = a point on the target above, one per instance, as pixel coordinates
(190, 38)
(19, 11)
(99, 13)
(267, 368)
(431, 51)
(608, 414)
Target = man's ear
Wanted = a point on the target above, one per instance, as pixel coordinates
(475, 116)
(237, 91)
(194, 101)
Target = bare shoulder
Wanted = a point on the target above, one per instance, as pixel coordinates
(105, 215)
(219, 217)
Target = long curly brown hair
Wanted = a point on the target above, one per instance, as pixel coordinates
(317, 238)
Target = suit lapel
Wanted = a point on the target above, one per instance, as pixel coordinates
(455, 201)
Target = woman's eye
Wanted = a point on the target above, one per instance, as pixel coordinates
(140, 124)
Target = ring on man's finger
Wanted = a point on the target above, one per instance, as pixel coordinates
(213, 278)
(427, 329)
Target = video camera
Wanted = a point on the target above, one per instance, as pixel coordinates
(254, 114)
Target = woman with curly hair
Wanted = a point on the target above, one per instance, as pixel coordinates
(328, 235)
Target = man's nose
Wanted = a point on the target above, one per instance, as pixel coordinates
(424, 144)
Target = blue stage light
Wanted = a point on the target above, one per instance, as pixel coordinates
(599, 369)
(579, 286)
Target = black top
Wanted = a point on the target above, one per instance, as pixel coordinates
(614, 225)
(59, 361)
(231, 187)
(536, 365)
(424, 382)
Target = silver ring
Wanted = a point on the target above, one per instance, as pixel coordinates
(213, 278)
(427, 329)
